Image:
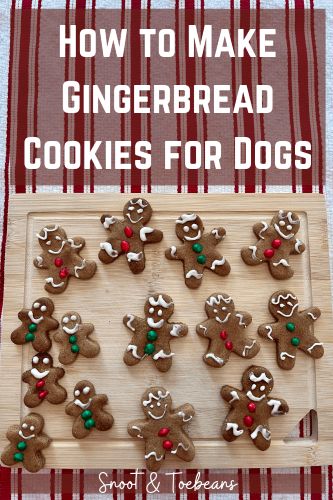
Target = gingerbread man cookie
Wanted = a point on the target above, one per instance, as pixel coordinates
(225, 329)
(162, 429)
(37, 322)
(128, 236)
(26, 443)
(198, 250)
(61, 257)
(43, 382)
(88, 410)
(152, 334)
(276, 242)
(252, 407)
(293, 329)
(74, 337)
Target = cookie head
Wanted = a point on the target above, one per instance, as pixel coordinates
(283, 304)
(257, 382)
(137, 210)
(286, 224)
(219, 306)
(156, 403)
(52, 239)
(70, 322)
(31, 426)
(158, 309)
(84, 391)
(189, 227)
(41, 364)
(40, 308)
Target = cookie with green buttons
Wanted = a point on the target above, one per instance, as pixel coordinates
(198, 250)
(37, 322)
(88, 410)
(74, 338)
(293, 329)
(26, 442)
(152, 334)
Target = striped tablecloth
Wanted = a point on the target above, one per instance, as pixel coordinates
(304, 482)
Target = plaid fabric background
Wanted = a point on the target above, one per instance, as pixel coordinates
(311, 482)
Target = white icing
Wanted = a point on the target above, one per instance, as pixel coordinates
(288, 215)
(193, 238)
(265, 227)
(55, 285)
(33, 319)
(282, 297)
(37, 374)
(194, 274)
(240, 317)
(283, 355)
(284, 236)
(217, 263)
(183, 415)
(79, 268)
(218, 360)
(155, 324)
(254, 252)
(235, 429)
(133, 221)
(43, 308)
(109, 221)
(215, 232)
(269, 331)
(56, 252)
(264, 431)
(71, 331)
(156, 417)
(139, 202)
(261, 377)
(159, 302)
(153, 454)
(275, 403)
(132, 256)
(313, 316)
(282, 262)
(84, 406)
(291, 312)
(314, 345)
(107, 247)
(234, 395)
(183, 219)
(86, 390)
(217, 300)
(137, 429)
(173, 250)
(157, 397)
(25, 437)
(46, 230)
(39, 260)
(175, 331)
(180, 445)
(130, 321)
(297, 245)
(251, 396)
(72, 244)
(219, 320)
(204, 328)
(162, 355)
(134, 349)
(248, 348)
(144, 231)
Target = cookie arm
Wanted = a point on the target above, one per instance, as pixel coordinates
(312, 314)
(174, 253)
(108, 220)
(76, 243)
(177, 330)
(299, 246)
(27, 377)
(39, 262)
(23, 315)
(230, 394)
(267, 331)
(132, 322)
(137, 428)
(243, 318)
(260, 229)
(150, 235)
(202, 329)
(278, 406)
(42, 441)
(183, 414)
(215, 236)
(72, 409)
(51, 324)
(60, 372)
(101, 399)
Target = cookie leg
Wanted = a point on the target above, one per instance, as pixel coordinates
(89, 348)
(56, 395)
(286, 355)
(280, 269)
(78, 430)
(33, 460)
(219, 265)
(110, 251)
(18, 335)
(7, 456)
(136, 261)
(104, 421)
(217, 355)
(250, 255)
(231, 428)
(163, 365)
(84, 269)
(56, 285)
(133, 355)
(154, 457)
(42, 343)
(32, 400)
(261, 436)
(193, 275)
(184, 449)
(312, 347)
(246, 348)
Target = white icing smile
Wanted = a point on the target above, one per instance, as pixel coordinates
(284, 236)
(219, 320)
(193, 238)
(84, 406)
(132, 220)
(55, 252)
(251, 396)
(33, 319)
(25, 437)
(153, 324)
(71, 331)
(286, 315)
(37, 374)
(156, 417)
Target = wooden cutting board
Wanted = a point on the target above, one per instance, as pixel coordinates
(114, 292)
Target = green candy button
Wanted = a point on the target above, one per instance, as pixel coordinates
(72, 339)
(290, 327)
(75, 348)
(29, 337)
(32, 328)
(86, 414)
(197, 247)
(21, 445)
(151, 335)
(90, 423)
(18, 457)
(295, 341)
(149, 348)
(201, 259)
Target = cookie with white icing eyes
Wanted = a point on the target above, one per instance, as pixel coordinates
(252, 407)
(198, 250)
(43, 381)
(277, 240)
(74, 338)
(26, 442)
(88, 410)
(163, 428)
(129, 235)
(36, 325)
(292, 330)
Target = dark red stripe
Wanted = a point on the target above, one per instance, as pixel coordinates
(254, 484)
(36, 84)
(240, 484)
(52, 484)
(330, 481)
(261, 116)
(190, 476)
(92, 82)
(178, 118)
(19, 484)
(67, 484)
(204, 116)
(148, 83)
(122, 116)
(269, 484)
(316, 483)
(233, 78)
(81, 484)
(301, 481)
(5, 489)
(64, 179)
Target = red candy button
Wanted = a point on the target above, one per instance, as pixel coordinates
(248, 420)
(40, 384)
(269, 253)
(164, 431)
(251, 407)
(58, 262)
(124, 246)
(42, 394)
(229, 345)
(63, 273)
(276, 243)
(167, 445)
(223, 335)
(128, 231)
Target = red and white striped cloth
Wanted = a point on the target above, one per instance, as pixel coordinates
(253, 484)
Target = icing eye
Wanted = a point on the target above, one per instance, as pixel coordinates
(151, 406)
(35, 360)
(282, 306)
(58, 238)
(43, 308)
(224, 308)
(215, 310)
(36, 305)
(32, 428)
(289, 227)
(158, 404)
(290, 304)
(282, 223)
(262, 388)
(194, 226)
(140, 210)
(186, 229)
(24, 426)
(65, 320)
(46, 361)
(151, 310)
(77, 393)
(130, 208)
(253, 386)
(48, 242)
(160, 312)
(73, 318)
(86, 390)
